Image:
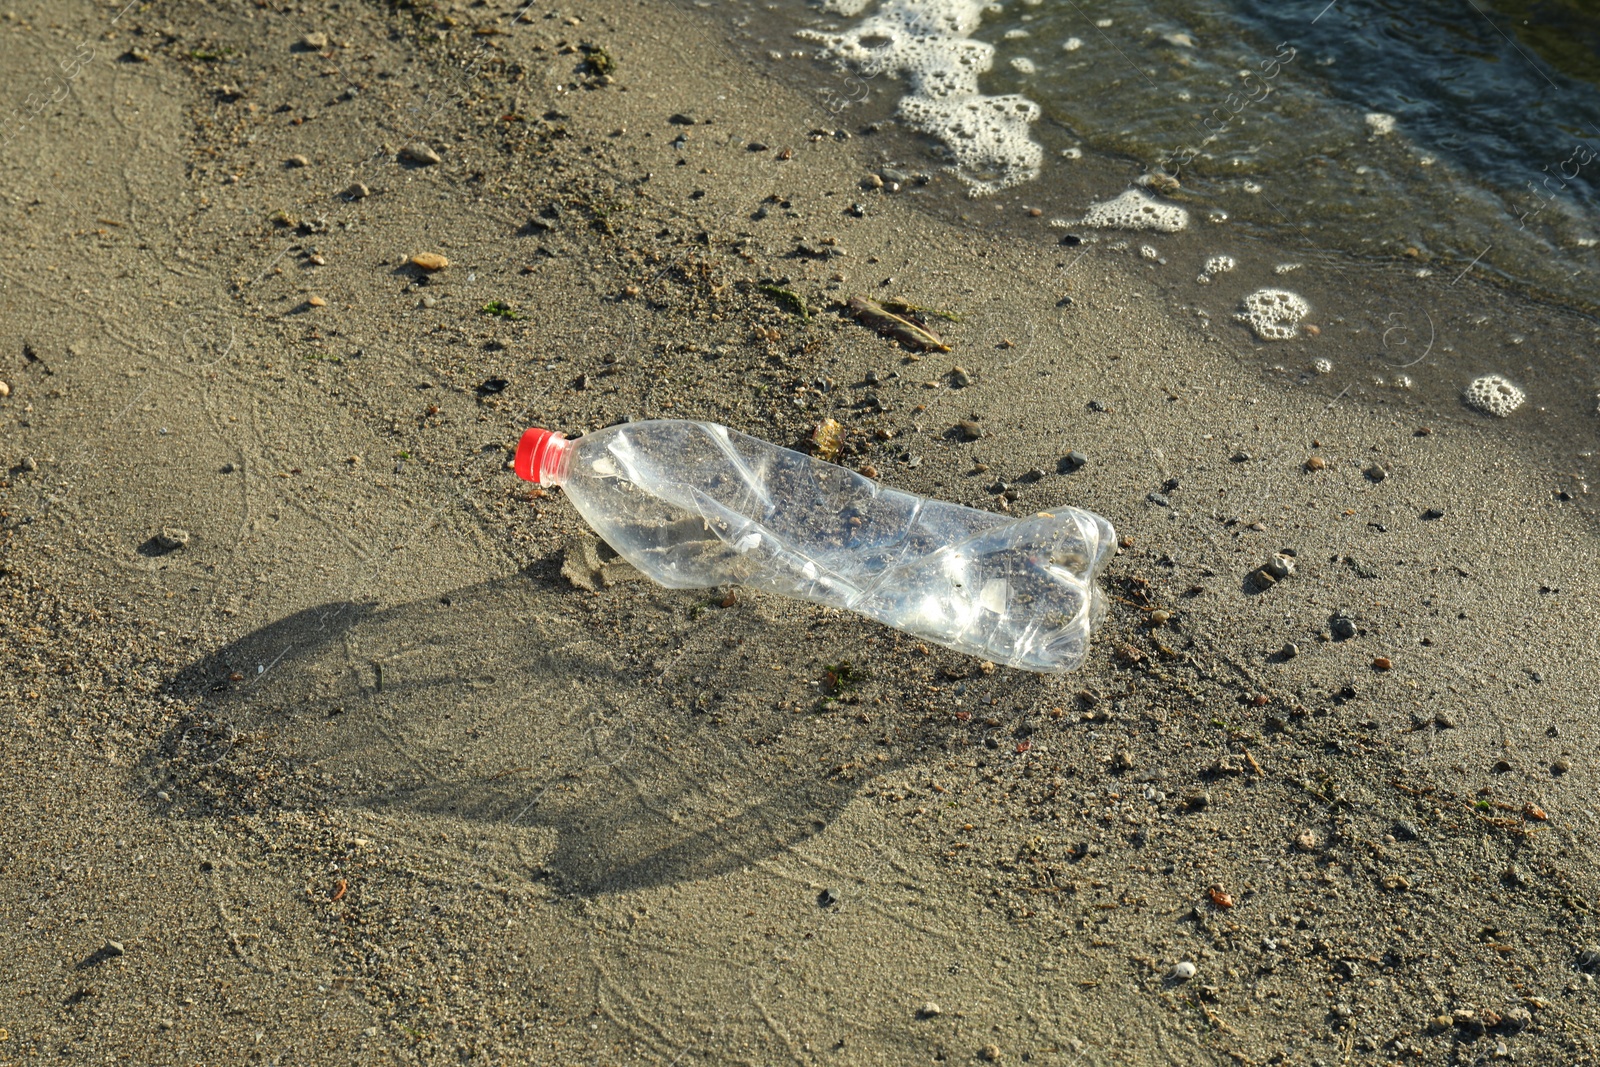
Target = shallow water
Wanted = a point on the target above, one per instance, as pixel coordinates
(1493, 157)
(1459, 241)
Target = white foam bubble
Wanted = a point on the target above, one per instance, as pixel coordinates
(1136, 210)
(1379, 124)
(928, 44)
(1285, 268)
(1071, 44)
(1149, 252)
(1274, 314)
(1493, 395)
(1023, 65)
(1220, 264)
(1322, 366)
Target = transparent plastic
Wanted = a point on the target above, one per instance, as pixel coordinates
(694, 504)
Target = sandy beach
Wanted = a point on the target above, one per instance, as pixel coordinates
(326, 739)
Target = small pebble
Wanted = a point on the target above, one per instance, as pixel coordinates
(1382, 663)
(5, 390)
(989, 1053)
(1433, 513)
(1306, 841)
(1501, 767)
(1160, 500)
(317, 302)
(929, 1010)
(1279, 565)
(1376, 473)
(314, 42)
(297, 161)
(1290, 650)
(1589, 958)
(1406, 830)
(1183, 971)
(967, 430)
(172, 537)
(960, 378)
(1316, 463)
(1076, 459)
(429, 261)
(420, 154)
(113, 948)
(872, 181)
(1343, 629)
(827, 898)
(430, 301)
(357, 191)
(1561, 766)
(29, 463)
(1240, 457)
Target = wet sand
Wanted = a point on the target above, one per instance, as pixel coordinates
(383, 764)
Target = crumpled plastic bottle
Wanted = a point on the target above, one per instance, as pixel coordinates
(694, 504)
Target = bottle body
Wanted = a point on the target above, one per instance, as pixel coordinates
(695, 504)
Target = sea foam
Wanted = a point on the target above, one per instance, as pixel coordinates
(928, 45)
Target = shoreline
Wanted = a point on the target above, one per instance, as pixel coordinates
(364, 769)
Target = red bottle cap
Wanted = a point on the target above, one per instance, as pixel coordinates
(537, 454)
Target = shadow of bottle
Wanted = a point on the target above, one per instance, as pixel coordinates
(499, 703)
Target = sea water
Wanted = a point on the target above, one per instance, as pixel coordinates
(1428, 180)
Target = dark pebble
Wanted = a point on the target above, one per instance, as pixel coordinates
(1406, 830)
(1072, 240)
(1343, 629)
(1076, 459)
(1433, 513)
(1099, 405)
(1589, 958)
(967, 430)
(1159, 500)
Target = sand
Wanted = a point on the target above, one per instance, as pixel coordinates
(384, 763)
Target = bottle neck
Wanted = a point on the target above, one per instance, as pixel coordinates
(556, 461)
(543, 456)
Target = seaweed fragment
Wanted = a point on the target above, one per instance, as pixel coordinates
(873, 315)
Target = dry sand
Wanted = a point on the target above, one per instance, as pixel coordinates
(385, 765)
